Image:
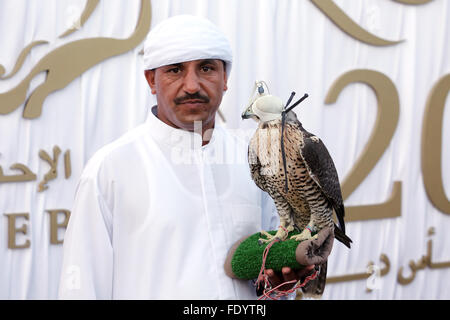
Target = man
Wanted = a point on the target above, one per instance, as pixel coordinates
(157, 211)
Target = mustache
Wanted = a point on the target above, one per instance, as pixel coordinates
(194, 96)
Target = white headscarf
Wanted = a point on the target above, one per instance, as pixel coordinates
(186, 38)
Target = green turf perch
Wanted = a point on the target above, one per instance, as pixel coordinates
(245, 257)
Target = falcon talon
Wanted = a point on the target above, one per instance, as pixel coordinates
(301, 237)
(268, 236)
(265, 233)
(265, 241)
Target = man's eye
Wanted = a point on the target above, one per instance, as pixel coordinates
(206, 68)
(174, 70)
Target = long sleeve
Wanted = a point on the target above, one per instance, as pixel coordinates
(87, 269)
(269, 219)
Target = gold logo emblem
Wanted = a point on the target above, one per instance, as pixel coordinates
(68, 62)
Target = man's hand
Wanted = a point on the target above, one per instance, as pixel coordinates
(288, 274)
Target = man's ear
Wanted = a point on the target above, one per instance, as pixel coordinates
(225, 79)
(225, 76)
(150, 76)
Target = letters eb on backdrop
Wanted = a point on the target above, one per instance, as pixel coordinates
(18, 227)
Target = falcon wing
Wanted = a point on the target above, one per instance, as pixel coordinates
(322, 170)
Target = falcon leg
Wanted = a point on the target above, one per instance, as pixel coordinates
(286, 223)
(282, 233)
(306, 233)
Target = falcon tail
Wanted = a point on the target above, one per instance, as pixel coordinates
(341, 236)
(314, 289)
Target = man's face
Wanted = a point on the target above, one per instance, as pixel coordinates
(188, 91)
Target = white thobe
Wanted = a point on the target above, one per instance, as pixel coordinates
(155, 214)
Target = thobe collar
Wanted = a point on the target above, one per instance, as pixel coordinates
(173, 137)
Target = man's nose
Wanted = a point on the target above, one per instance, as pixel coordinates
(191, 81)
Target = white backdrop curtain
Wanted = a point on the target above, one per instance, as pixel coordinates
(290, 44)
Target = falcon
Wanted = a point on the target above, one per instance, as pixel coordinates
(294, 167)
